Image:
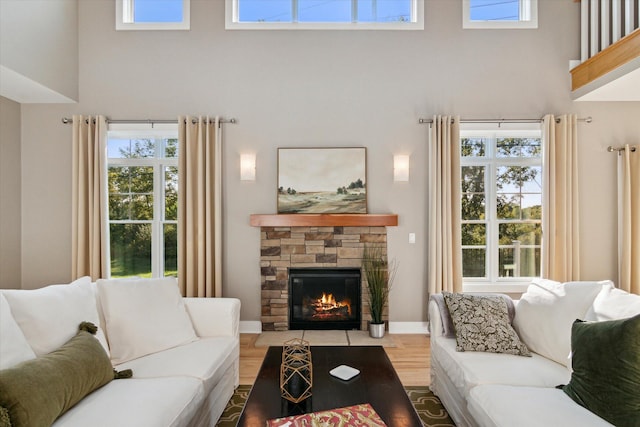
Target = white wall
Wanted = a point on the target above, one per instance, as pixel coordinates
(320, 88)
(9, 194)
(39, 45)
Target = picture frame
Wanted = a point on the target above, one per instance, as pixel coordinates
(322, 180)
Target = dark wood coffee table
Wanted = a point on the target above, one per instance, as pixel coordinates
(377, 384)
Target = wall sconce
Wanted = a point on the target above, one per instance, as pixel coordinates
(401, 167)
(247, 167)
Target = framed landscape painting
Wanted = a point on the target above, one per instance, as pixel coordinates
(322, 180)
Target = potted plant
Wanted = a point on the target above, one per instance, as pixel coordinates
(379, 274)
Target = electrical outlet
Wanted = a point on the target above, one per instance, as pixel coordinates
(412, 238)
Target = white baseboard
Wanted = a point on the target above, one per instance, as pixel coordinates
(409, 328)
(255, 327)
(250, 326)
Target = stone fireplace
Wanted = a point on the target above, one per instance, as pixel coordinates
(285, 247)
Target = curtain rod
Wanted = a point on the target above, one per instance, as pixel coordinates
(619, 150)
(67, 121)
(499, 121)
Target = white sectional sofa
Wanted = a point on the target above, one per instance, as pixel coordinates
(183, 352)
(492, 389)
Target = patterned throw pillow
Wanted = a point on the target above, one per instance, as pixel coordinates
(482, 324)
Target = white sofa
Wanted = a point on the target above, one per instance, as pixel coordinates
(183, 352)
(490, 389)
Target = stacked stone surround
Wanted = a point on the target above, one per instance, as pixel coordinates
(282, 248)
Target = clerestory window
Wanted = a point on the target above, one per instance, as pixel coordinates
(501, 206)
(152, 14)
(324, 14)
(492, 14)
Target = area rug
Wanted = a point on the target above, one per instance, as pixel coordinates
(428, 407)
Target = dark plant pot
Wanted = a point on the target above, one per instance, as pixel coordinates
(376, 330)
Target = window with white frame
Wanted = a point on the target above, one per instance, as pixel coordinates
(325, 14)
(501, 206)
(142, 172)
(152, 14)
(494, 14)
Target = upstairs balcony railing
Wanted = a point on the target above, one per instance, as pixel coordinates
(610, 37)
(604, 22)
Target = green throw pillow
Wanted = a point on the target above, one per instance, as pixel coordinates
(606, 369)
(37, 391)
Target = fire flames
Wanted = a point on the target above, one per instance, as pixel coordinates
(327, 306)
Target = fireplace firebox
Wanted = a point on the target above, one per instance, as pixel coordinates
(324, 298)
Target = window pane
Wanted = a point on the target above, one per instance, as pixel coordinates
(473, 262)
(118, 148)
(171, 148)
(324, 11)
(384, 10)
(492, 10)
(264, 11)
(507, 265)
(474, 234)
(118, 207)
(508, 206)
(157, 10)
(473, 147)
(170, 250)
(130, 250)
(473, 197)
(532, 206)
(141, 179)
(141, 206)
(525, 233)
(518, 147)
(472, 179)
(473, 206)
(530, 262)
(130, 148)
(171, 193)
(526, 265)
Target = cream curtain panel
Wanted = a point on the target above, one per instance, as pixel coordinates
(629, 219)
(199, 207)
(444, 247)
(560, 223)
(89, 198)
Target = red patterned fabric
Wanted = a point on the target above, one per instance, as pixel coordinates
(362, 415)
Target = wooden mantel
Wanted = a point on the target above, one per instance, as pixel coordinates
(323, 220)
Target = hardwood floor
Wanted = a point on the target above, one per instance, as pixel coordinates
(410, 358)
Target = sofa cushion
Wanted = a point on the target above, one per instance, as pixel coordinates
(469, 369)
(447, 324)
(50, 316)
(546, 311)
(508, 406)
(38, 391)
(14, 347)
(606, 369)
(153, 402)
(482, 324)
(206, 359)
(143, 316)
(612, 303)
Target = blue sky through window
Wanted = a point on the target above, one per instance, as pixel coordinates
(324, 10)
(495, 10)
(157, 10)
